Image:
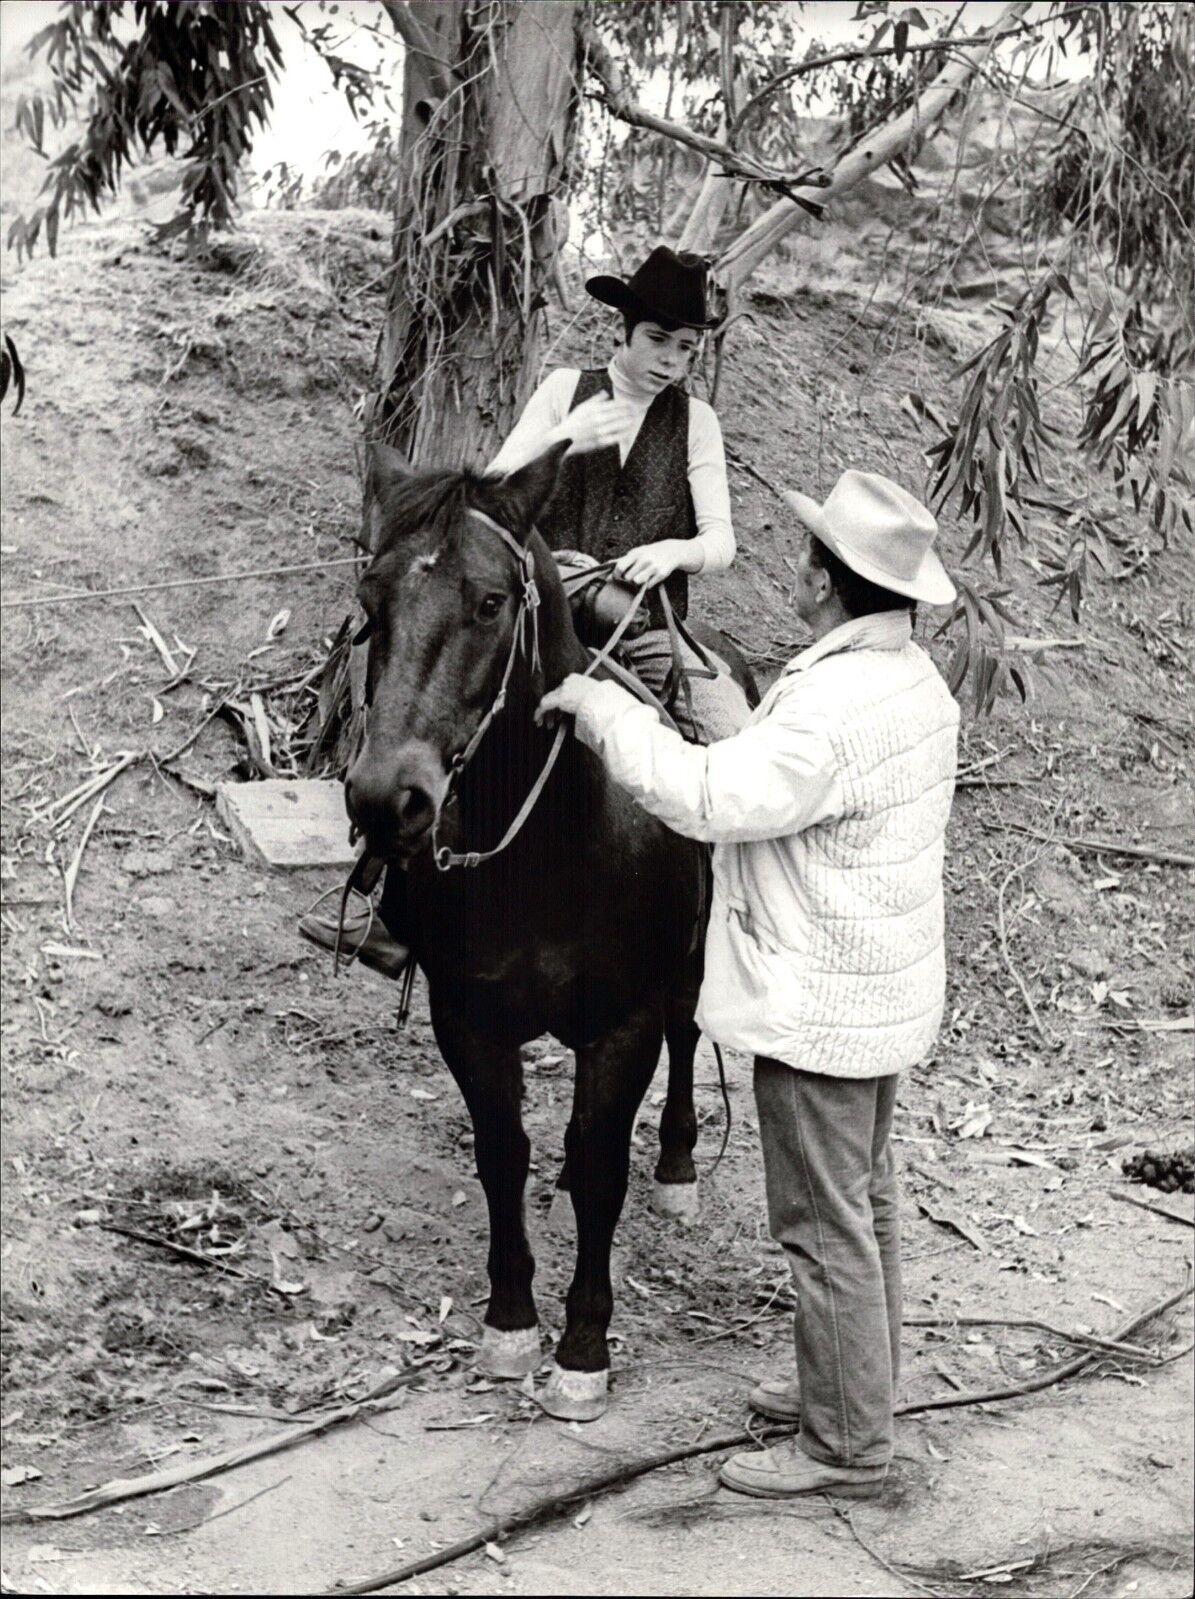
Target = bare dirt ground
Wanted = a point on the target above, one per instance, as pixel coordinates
(176, 1061)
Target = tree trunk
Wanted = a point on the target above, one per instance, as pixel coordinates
(741, 258)
(489, 95)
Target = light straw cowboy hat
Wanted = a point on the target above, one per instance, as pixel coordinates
(880, 532)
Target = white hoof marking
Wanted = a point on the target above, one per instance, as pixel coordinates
(678, 1201)
(575, 1395)
(509, 1354)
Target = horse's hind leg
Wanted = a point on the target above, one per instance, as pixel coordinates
(674, 1191)
(612, 1077)
(491, 1080)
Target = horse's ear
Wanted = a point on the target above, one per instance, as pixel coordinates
(385, 465)
(528, 490)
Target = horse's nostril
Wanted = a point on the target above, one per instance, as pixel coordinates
(414, 807)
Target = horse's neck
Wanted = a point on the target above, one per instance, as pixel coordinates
(561, 651)
(514, 752)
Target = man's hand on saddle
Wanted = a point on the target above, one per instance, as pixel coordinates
(567, 699)
(652, 563)
(596, 424)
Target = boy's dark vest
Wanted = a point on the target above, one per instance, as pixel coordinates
(605, 509)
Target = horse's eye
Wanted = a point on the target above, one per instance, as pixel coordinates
(490, 606)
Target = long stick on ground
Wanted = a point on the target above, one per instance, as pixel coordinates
(212, 1262)
(61, 810)
(72, 872)
(1111, 846)
(558, 1504)
(1088, 1340)
(1156, 1210)
(121, 1488)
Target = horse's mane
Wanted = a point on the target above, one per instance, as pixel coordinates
(433, 500)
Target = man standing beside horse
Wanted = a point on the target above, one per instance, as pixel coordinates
(825, 954)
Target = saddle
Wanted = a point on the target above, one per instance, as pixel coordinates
(600, 604)
(599, 601)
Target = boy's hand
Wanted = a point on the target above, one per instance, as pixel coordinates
(652, 563)
(596, 424)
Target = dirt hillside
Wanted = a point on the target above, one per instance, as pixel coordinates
(176, 1062)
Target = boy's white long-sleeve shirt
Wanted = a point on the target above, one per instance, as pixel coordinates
(553, 401)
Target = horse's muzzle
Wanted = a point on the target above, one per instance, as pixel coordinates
(394, 797)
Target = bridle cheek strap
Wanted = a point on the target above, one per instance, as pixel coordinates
(525, 642)
(526, 628)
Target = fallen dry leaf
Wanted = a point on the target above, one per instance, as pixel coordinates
(955, 1221)
(974, 1122)
(42, 1553)
(1107, 1299)
(13, 1476)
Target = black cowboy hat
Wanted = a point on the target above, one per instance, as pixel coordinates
(668, 285)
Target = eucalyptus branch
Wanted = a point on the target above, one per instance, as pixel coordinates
(874, 152)
(616, 97)
(872, 52)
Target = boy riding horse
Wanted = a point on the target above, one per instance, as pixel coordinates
(643, 485)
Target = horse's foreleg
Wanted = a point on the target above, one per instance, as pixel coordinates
(674, 1192)
(612, 1077)
(491, 1080)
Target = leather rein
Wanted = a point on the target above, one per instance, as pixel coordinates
(526, 629)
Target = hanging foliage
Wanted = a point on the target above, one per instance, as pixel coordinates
(194, 78)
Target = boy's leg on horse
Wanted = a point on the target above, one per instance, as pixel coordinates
(363, 936)
(720, 707)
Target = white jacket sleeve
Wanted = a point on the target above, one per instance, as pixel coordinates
(774, 778)
(549, 405)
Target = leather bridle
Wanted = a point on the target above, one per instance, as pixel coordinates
(526, 627)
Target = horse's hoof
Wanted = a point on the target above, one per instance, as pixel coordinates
(575, 1395)
(561, 1219)
(508, 1354)
(680, 1202)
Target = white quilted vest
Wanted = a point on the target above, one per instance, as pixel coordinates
(848, 978)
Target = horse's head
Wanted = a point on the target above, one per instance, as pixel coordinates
(448, 626)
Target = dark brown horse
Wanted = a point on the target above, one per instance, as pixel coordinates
(585, 926)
